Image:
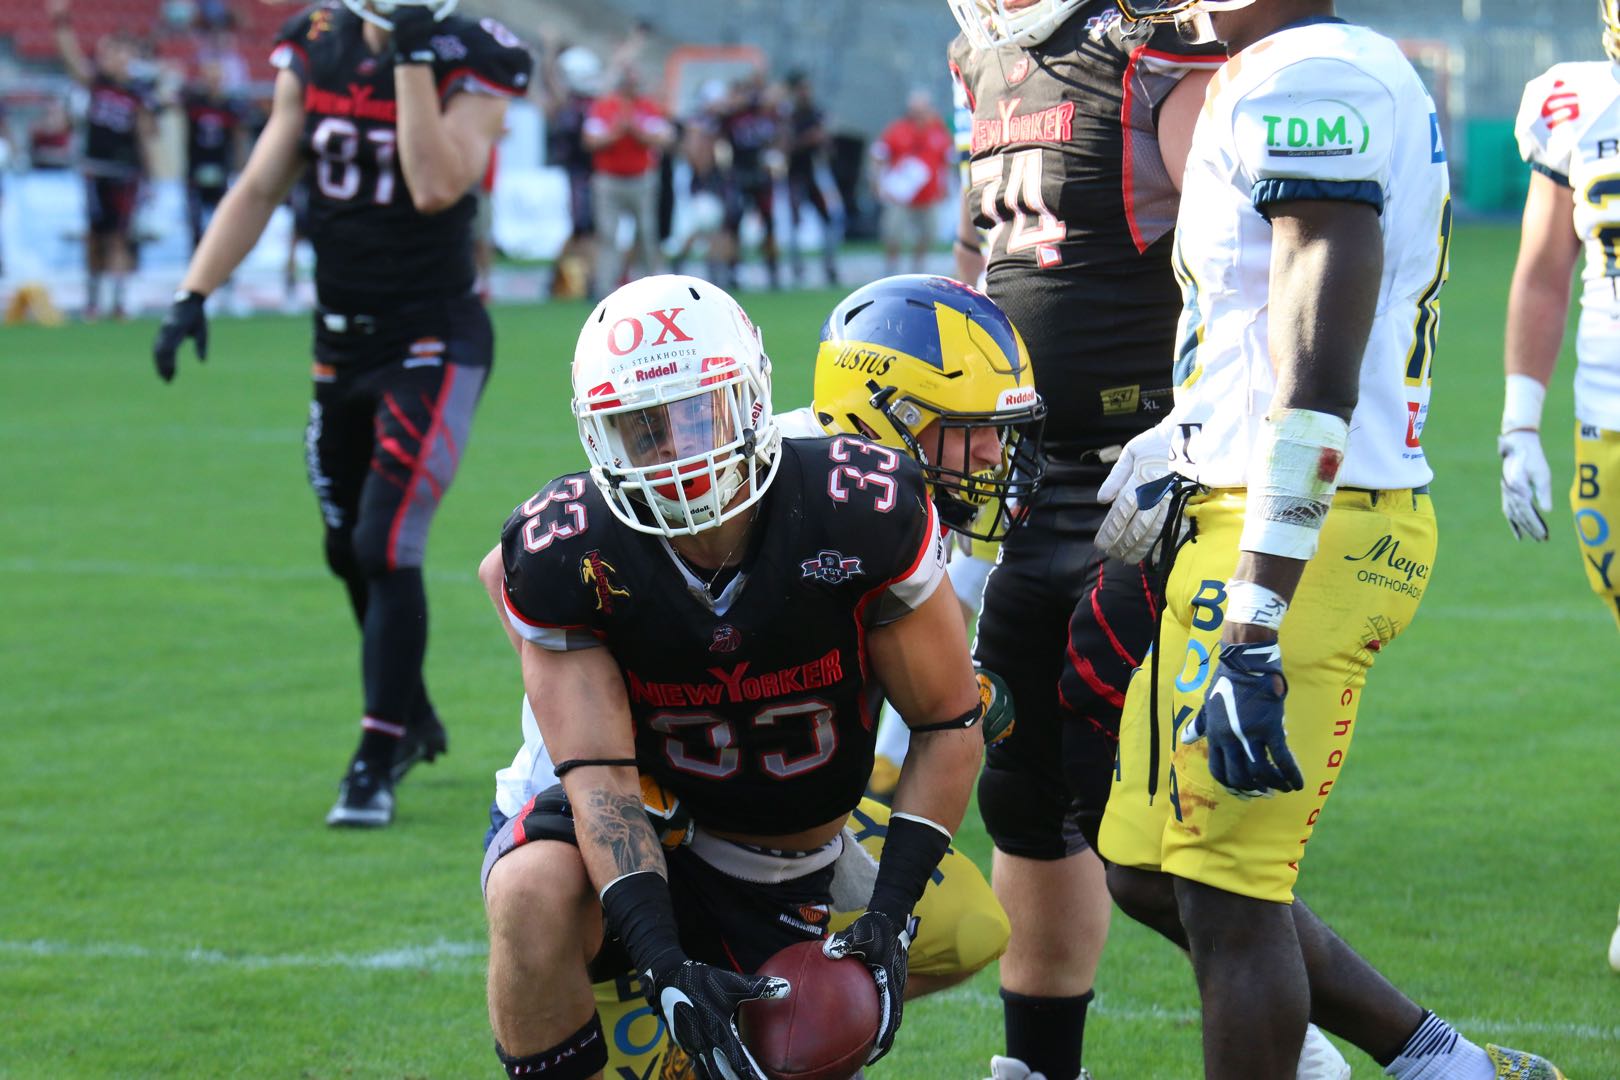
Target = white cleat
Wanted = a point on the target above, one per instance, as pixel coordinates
(1007, 1068)
(1319, 1059)
(1614, 950)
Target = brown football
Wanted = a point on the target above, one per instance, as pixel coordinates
(825, 1028)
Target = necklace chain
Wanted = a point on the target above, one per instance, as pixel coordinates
(725, 562)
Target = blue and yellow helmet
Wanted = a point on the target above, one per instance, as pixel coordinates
(1609, 12)
(905, 351)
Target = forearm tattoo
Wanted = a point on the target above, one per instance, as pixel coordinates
(618, 824)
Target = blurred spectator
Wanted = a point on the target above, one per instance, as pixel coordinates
(911, 157)
(703, 224)
(219, 46)
(215, 142)
(806, 157)
(625, 132)
(570, 79)
(50, 141)
(752, 128)
(119, 126)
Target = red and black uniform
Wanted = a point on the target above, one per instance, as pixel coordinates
(1067, 180)
(802, 184)
(212, 127)
(565, 149)
(402, 343)
(754, 704)
(113, 166)
(750, 129)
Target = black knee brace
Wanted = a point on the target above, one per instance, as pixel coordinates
(1028, 819)
(583, 1054)
(340, 558)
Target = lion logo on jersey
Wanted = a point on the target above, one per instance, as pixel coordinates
(597, 572)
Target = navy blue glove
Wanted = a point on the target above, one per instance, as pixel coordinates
(1243, 719)
(413, 34)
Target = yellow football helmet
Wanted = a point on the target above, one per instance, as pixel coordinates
(904, 352)
(1609, 11)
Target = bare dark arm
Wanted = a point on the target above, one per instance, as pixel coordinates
(1327, 262)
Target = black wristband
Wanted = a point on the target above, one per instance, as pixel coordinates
(187, 296)
(911, 852)
(641, 915)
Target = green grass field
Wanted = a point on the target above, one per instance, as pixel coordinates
(180, 696)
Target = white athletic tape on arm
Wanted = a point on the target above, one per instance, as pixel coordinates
(1292, 477)
(1521, 407)
(1255, 605)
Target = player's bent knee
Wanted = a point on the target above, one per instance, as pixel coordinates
(546, 876)
(375, 551)
(1149, 898)
(340, 557)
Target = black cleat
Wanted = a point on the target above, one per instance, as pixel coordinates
(365, 799)
(419, 745)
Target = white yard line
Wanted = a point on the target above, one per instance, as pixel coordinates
(192, 571)
(453, 956)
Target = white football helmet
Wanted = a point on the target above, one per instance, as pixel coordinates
(377, 12)
(581, 70)
(672, 392)
(1190, 16)
(991, 23)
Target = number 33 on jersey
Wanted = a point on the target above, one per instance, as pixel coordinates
(759, 696)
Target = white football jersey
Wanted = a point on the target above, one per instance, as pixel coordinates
(1569, 129)
(1319, 110)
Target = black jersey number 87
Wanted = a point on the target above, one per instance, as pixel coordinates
(338, 172)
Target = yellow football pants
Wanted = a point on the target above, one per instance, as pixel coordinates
(1595, 499)
(1165, 812)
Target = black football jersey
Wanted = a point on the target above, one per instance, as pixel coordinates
(1066, 180)
(801, 119)
(373, 250)
(112, 128)
(755, 707)
(211, 127)
(751, 129)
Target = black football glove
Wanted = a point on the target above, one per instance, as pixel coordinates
(699, 1005)
(413, 35)
(884, 946)
(1243, 718)
(186, 319)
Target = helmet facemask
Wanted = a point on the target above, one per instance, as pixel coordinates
(976, 502)
(682, 460)
(989, 24)
(1191, 17)
(379, 12)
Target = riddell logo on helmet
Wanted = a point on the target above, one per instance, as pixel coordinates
(657, 371)
(1013, 399)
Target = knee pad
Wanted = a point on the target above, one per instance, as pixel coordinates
(340, 557)
(1025, 817)
(371, 547)
(579, 1057)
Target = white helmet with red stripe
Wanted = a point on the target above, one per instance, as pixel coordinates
(672, 392)
(380, 12)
